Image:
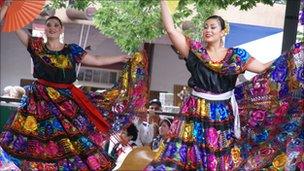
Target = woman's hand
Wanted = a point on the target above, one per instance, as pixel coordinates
(124, 58)
(22, 35)
(177, 38)
(4, 8)
(7, 3)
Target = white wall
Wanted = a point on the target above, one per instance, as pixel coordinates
(260, 15)
(167, 69)
(100, 44)
(16, 62)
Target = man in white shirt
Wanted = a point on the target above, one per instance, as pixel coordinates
(148, 124)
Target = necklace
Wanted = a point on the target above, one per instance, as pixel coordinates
(56, 48)
(217, 57)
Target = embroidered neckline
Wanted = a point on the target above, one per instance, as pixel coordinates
(227, 55)
(53, 51)
(232, 63)
(201, 52)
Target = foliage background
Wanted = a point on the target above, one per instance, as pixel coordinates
(133, 22)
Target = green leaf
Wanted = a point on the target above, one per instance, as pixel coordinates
(133, 22)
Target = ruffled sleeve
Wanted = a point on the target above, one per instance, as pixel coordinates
(77, 52)
(239, 60)
(35, 45)
(195, 46)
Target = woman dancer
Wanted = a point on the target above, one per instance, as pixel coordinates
(57, 127)
(208, 134)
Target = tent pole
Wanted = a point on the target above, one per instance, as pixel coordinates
(290, 24)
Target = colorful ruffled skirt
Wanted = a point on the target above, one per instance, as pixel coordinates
(50, 131)
(54, 129)
(272, 115)
(202, 138)
(271, 110)
(6, 163)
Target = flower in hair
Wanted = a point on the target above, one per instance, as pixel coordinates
(227, 28)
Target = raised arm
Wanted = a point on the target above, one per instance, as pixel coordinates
(257, 66)
(21, 34)
(93, 60)
(177, 38)
(3, 11)
(23, 37)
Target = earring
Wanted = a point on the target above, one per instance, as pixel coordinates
(222, 42)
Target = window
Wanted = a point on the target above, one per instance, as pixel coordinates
(98, 77)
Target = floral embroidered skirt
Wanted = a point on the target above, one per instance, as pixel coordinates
(202, 138)
(50, 131)
(6, 162)
(271, 110)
